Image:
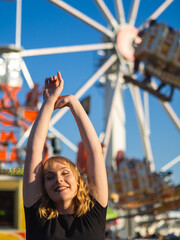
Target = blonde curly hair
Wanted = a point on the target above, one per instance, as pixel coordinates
(82, 200)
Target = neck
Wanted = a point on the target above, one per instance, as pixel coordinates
(65, 208)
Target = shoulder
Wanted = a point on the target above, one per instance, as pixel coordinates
(97, 211)
(93, 222)
(32, 213)
(98, 207)
(35, 226)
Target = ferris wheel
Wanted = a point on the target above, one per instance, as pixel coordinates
(116, 72)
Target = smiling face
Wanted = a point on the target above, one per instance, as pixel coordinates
(60, 183)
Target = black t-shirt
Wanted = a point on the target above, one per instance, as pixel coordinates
(90, 226)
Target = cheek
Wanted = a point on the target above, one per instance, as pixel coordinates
(73, 182)
(49, 189)
(48, 185)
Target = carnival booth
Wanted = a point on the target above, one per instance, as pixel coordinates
(12, 222)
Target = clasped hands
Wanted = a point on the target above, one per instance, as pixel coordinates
(53, 88)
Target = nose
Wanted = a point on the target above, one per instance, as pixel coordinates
(59, 178)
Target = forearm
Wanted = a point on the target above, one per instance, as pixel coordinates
(89, 137)
(40, 128)
(32, 169)
(96, 170)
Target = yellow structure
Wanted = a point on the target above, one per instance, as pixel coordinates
(12, 221)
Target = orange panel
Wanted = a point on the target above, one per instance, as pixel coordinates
(3, 154)
(30, 115)
(14, 155)
(82, 158)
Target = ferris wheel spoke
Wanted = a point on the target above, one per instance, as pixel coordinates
(80, 93)
(83, 17)
(146, 111)
(135, 92)
(63, 139)
(168, 109)
(86, 86)
(170, 164)
(120, 11)
(54, 131)
(171, 114)
(157, 12)
(110, 118)
(133, 12)
(24, 137)
(27, 75)
(66, 49)
(18, 23)
(107, 13)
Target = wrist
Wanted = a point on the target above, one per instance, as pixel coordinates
(49, 101)
(72, 101)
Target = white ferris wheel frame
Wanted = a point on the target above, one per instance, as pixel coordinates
(142, 114)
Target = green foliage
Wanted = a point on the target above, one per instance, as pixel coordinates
(12, 172)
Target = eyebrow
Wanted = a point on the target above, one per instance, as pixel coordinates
(63, 168)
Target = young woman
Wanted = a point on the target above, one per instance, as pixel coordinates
(59, 204)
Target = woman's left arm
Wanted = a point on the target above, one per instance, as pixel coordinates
(96, 170)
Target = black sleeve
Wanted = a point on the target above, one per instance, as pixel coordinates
(33, 222)
(32, 213)
(100, 213)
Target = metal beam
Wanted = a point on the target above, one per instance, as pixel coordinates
(18, 23)
(133, 12)
(104, 9)
(167, 107)
(76, 13)
(27, 75)
(157, 12)
(86, 86)
(120, 11)
(66, 49)
(79, 93)
(135, 92)
(109, 124)
(170, 164)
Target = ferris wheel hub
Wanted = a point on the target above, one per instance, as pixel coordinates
(126, 36)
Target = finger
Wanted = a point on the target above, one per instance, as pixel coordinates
(51, 80)
(61, 81)
(46, 82)
(55, 78)
(59, 75)
(55, 81)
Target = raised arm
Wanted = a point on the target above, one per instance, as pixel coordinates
(32, 188)
(96, 170)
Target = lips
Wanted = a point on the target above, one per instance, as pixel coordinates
(61, 188)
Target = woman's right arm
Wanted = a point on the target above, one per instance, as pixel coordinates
(32, 180)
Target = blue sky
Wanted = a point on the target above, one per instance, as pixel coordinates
(45, 25)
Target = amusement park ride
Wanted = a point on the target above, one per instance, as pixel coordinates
(145, 58)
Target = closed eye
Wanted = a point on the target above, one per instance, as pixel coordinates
(50, 176)
(65, 172)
